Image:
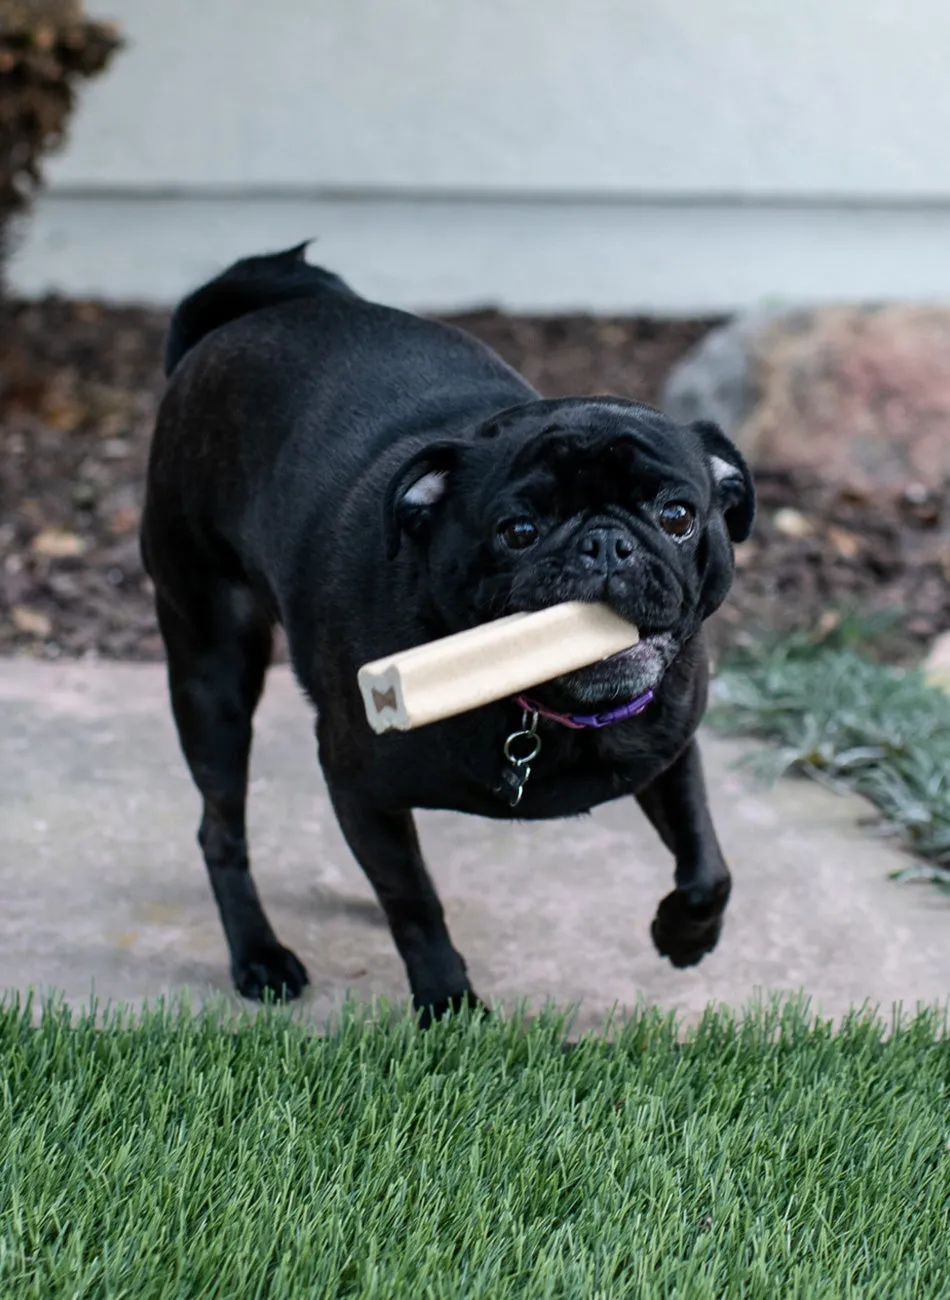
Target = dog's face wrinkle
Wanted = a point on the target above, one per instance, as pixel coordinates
(628, 489)
(658, 579)
(488, 582)
(629, 461)
(564, 482)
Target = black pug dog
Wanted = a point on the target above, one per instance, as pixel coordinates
(372, 480)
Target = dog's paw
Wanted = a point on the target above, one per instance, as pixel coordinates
(684, 930)
(272, 972)
(436, 1010)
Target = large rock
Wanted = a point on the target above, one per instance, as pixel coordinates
(860, 395)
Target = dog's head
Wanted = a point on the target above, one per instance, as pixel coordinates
(593, 499)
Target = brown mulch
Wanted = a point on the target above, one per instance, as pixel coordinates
(79, 383)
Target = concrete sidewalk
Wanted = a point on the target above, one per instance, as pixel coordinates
(102, 886)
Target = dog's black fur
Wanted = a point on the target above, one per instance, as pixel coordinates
(372, 481)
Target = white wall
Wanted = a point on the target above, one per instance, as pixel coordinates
(613, 154)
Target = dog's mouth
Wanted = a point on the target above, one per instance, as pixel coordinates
(616, 680)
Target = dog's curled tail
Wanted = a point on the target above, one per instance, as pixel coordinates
(246, 286)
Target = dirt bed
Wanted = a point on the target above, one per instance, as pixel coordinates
(79, 383)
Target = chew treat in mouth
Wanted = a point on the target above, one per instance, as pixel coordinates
(491, 662)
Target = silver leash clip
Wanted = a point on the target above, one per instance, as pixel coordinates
(520, 749)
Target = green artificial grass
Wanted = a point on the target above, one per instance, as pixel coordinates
(762, 1157)
(878, 730)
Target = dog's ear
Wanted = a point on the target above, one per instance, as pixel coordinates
(732, 480)
(415, 491)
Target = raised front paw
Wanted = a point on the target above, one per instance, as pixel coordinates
(272, 971)
(686, 928)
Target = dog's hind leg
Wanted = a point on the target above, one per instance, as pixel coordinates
(387, 848)
(689, 920)
(218, 654)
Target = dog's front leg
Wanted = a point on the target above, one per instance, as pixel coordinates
(688, 921)
(387, 848)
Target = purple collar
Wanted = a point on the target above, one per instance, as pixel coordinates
(580, 721)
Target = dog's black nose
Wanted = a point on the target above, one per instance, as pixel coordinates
(605, 548)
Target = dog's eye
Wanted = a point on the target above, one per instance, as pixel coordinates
(518, 534)
(677, 520)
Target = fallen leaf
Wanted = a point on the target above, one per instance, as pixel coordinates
(31, 621)
(845, 542)
(612, 335)
(829, 622)
(853, 496)
(921, 507)
(792, 523)
(936, 666)
(64, 416)
(747, 555)
(57, 543)
(125, 520)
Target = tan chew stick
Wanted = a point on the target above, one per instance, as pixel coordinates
(488, 663)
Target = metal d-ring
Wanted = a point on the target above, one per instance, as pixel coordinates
(522, 762)
(529, 733)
